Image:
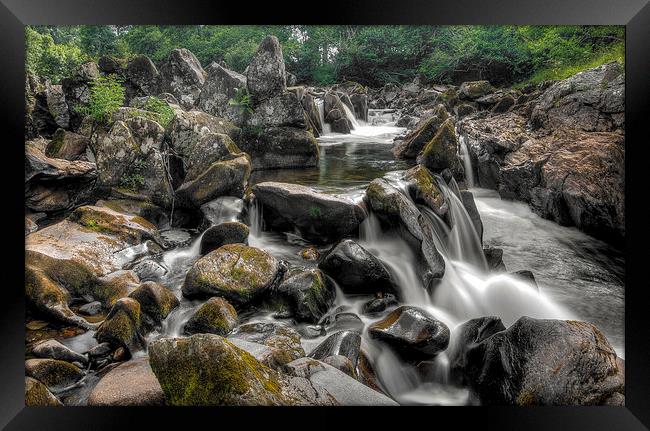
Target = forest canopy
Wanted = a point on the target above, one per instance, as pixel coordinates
(322, 55)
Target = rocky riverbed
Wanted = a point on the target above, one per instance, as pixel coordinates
(323, 246)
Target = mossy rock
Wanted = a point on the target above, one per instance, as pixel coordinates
(66, 145)
(441, 151)
(424, 188)
(308, 293)
(282, 341)
(208, 370)
(235, 272)
(415, 141)
(53, 373)
(474, 89)
(120, 329)
(156, 302)
(37, 394)
(216, 316)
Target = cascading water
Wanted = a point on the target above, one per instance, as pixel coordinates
(467, 160)
(350, 116)
(327, 129)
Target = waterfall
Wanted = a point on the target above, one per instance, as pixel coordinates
(467, 161)
(350, 116)
(327, 129)
(223, 209)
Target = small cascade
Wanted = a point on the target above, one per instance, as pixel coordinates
(467, 161)
(223, 209)
(320, 105)
(350, 116)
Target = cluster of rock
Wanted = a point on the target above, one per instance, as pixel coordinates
(557, 146)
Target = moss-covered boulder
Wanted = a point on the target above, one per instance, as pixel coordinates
(415, 141)
(156, 302)
(211, 148)
(221, 85)
(208, 370)
(441, 151)
(235, 272)
(306, 293)
(230, 232)
(188, 127)
(224, 178)
(423, 188)
(181, 74)
(318, 217)
(216, 316)
(122, 325)
(283, 110)
(397, 211)
(53, 373)
(37, 394)
(474, 89)
(132, 383)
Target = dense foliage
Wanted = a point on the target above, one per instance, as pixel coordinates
(106, 97)
(372, 55)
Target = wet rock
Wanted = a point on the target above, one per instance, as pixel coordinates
(344, 389)
(149, 270)
(526, 276)
(182, 76)
(67, 145)
(231, 232)
(221, 86)
(315, 124)
(235, 272)
(593, 100)
(119, 284)
(395, 210)
(310, 253)
(53, 349)
(318, 217)
(120, 329)
(423, 188)
(494, 258)
(441, 151)
(417, 140)
(549, 362)
(283, 110)
(156, 302)
(53, 373)
(360, 105)
(344, 343)
(132, 383)
(344, 321)
(379, 304)
(273, 344)
(466, 337)
(216, 316)
(474, 89)
(280, 147)
(341, 363)
(412, 332)
(306, 293)
(467, 199)
(266, 75)
(224, 178)
(37, 394)
(355, 269)
(184, 366)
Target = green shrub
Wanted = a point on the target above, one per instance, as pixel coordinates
(242, 100)
(165, 112)
(133, 179)
(106, 97)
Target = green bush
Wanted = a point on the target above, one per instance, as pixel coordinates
(133, 180)
(242, 100)
(52, 60)
(106, 96)
(165, 112)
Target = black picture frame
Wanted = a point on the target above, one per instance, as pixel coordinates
(634, 14)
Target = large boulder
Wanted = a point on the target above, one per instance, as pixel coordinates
(230, 232)
(316, 216)
(183, 77)
(55, 184)
(423, 188)
(414, 142)
(342, 343)
(356, 270)
(54, 374)
(280, 147)
(122, 325)
(187, 128)
(540, 362)
(306, 293)
(55, 350)
(75, 256)
(220, 87)
(266, 75)
(472, 90)
(156, 302)
(283, 110)
(142, 78)
(206, 369)
(591, 101)
(412, 332)
(76, 89)
(235, 272)
(132, 383)
(215, 316)
(67, 145)
(397, 211)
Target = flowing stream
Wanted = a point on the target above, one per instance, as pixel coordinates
(578, 276)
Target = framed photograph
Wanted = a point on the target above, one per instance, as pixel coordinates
(352, 208)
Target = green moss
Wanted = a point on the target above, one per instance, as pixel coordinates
(55, 145)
